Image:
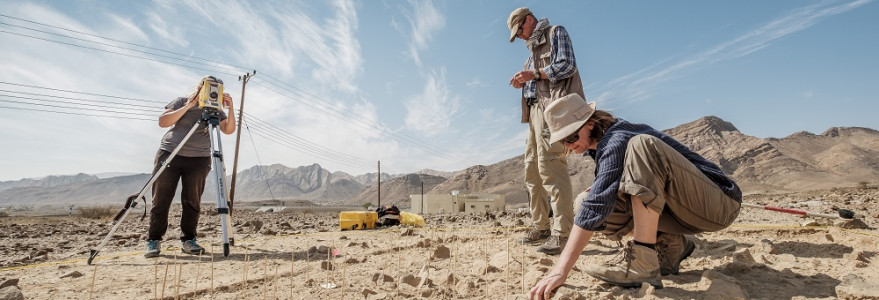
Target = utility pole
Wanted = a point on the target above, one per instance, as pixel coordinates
(244, 79)
(379, 184)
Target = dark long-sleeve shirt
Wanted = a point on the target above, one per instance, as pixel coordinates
(609, 158)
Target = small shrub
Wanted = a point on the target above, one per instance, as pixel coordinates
(96, 212)
(4, 213)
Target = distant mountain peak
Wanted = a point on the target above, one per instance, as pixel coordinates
(714, 123)
(847, 131)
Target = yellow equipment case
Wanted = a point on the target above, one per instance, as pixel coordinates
(411, 219)
(357, 220)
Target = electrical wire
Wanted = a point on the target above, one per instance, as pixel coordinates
(125, 106)
(119, 41)
(117, 53)
(114, 46)
(258, 160)
(69, 107)
(325, 106)
(77, 92)
(348, 116)
(78, 114)
(338, 155)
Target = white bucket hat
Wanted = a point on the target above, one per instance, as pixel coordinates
(565, 115)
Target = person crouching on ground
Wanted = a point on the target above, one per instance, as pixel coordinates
(191, 165)
(646, 182)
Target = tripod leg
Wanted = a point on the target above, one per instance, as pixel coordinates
(131, 204)
(220, 175)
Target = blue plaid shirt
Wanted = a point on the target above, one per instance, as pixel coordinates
(563, 64)
(609, 159)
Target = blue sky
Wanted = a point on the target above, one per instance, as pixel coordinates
(415, 84)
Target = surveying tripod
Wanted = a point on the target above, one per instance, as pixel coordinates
(211, 117)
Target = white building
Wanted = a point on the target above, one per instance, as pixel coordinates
(446, 203)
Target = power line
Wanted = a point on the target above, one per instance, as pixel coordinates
(69, 107)
(120, 41)
(75, 99)
(78, 114)
(311, 149)
(76, 92)
(345, 115)
(117, 53)
(114, 46)
(305, 141)
(354, 119)
(328, 108)
(269, 187)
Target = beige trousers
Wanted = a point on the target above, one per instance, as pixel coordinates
(688, 202)
(546, 175)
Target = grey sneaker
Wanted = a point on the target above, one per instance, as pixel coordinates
(553, 245)
(672, 249)
(154, 248)
(191, 247)
(533, 236)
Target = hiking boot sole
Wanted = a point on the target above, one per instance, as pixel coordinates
(656, 283)
(533, 243)
(193, 252)
(688, 250)
(549, 251)
(151, 254)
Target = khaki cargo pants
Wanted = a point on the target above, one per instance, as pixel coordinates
(546, 175)
(688, 202)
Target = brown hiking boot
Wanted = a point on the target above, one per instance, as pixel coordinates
(533, 236)
(672, 249)
(553, 245)
(635, 264)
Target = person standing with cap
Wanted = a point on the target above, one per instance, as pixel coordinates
(549, 73)
(646, 183)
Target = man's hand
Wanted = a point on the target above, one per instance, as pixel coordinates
(519, 80)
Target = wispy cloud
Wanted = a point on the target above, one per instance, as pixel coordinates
(165, 32)
(424, 20)
(639, 86)
(476, 82)
(288, 38)
(808, 94)
(432, 111)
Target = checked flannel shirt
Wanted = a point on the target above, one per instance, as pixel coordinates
(562, 57)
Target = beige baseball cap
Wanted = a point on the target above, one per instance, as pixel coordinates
(515, 20)
(565, 115)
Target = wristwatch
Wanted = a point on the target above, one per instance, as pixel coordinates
(536, 74)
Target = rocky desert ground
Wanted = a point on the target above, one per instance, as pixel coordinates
(304, 255)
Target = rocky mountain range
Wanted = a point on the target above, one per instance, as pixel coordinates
(840, 156)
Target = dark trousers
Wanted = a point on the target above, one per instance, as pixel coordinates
(192, 172)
